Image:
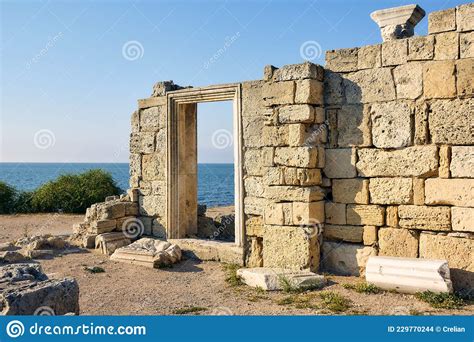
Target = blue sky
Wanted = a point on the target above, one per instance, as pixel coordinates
(70, 78)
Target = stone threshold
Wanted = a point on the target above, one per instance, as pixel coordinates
(210, 250)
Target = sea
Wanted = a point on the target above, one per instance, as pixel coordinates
(215, 181)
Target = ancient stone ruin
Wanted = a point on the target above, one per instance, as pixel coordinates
(372, 154)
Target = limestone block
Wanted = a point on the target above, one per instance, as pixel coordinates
(270, 279)
(359, 214)
(409, 80)
(107, 243)
(369, 57)
(370, 85)
(294, 193)
(436, 73)
(254, 226)
(424, 217)
(418, 191)
(152, 205)
(279, 93)
(252, 128)
(135, 164)
(398, 242)
(278, 214)
(135, 121)
(421, 48)
(298, 72)
(252, 98)
(391, 190)
(309, 91)
(450, 122)
(466, 45)
(152, 119)
(391, 217)
(254, 254)
(370, 235)
(346, 258)
(342, 60)
(444, 158)
(465, 77)
(161, 141)
(254, 205)
(103, 226)
(333, 88)
(158, 188)
(446, 46)
(274, 135)
(254, 186)
(297, 135)
(398, 163)
(355, 190)
(296, 114)
(394, 52)
(462, 219)
(294, 248)
(353, 125)
(340, 163)
(296, 156)
(441, 21)
(282, 175)
(408, 275)
(308, 213)
(253, 163)
(462, 162)
(343, 233)
(110, 210)
(153, 166)
(391, 124)
(421, 136)
(458, 192)
(464, 15)
(457, 251)
(335, 213)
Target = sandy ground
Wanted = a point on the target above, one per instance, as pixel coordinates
(126, 289)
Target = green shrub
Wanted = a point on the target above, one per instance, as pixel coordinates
(441, 300)
(74, 193)
(23, 202)
(7, 198)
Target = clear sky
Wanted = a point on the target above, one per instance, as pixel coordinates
(71, 71)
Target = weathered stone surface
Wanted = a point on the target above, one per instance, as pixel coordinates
(254, 226)
(465, 77)
(441, 21)
(421, 48)
(444, 158)
(103, 226)
(436, 73)
(391, 124)
(154, 166)
(353, 125)
(308, 213)
(335, 213)
(446, 46)
(458, 192)
(409, 80)
(253, 162)
(370, 235)
(398, 242)
(462, 219)
(294, 193)
(391, 217)
(424, 217)
(369, 57)
(340, 163)
(466, 45)
(343, 233)
(370, 85)
(254, 186)
(462, 161)
(296, 113)
(464, 15)
(394, 52)
(450, 122)
(398, 163)
(346, 258)
(152, 119)
(391, 191)
(282, 175)
(254, 253)
(107, 243)
(296, 156)
(278, 214)
(342, 60)
(252, 98)
(457, 251)
(294, 248)
(333, 88)
(421, 136)
(418, 191)
(279, 93)
(354, 190)
(298, 72)
(359, 214)
(309, 91)
(398, 22)
(254, 205)
(271, 279)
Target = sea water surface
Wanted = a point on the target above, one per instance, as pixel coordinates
(215, 181)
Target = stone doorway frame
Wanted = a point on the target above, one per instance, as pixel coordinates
(185, 101)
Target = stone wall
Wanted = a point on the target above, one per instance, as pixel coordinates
(400, 156)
